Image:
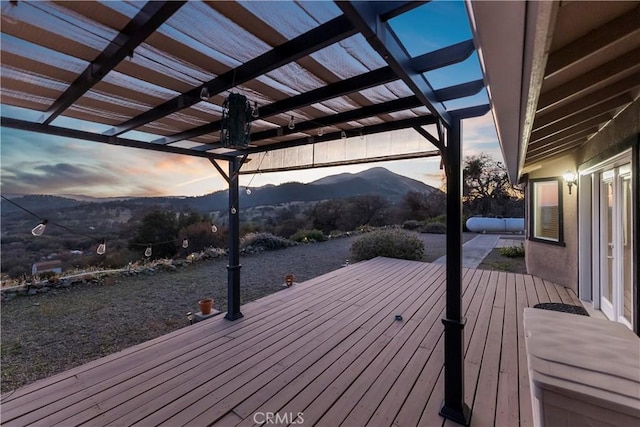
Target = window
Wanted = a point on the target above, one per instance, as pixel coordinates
(546, 211)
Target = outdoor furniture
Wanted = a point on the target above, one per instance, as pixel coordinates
(582, 370)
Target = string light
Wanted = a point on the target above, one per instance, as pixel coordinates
(320, 131)
(248, 191)
(343, 135)
(39, 229)
(255, 112)
(233, 211)
(204, 93)
(361, 135)
(292, 123)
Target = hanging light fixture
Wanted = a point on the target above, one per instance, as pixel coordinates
(204, 93)
(248, 191)
(214, 229)
(185, 243)
(255, 112)
(343, 135)
(320, 131)
(39, 229)
(147, 252)
(234, 211)
(102, 248)
(235, 128)
(292, 124)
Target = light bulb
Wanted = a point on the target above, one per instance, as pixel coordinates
(320, 131)
(147, 252)
(361, 135)
(204, 93)
(102, 248)
(214, 229)
(292, 124)
(39, 229)
(343, 135)
(255, 112)
(185, 243)
(233, 211)
(248, 191)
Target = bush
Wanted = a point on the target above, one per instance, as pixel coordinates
(308, 236)
(388, 243)
(264, 241)
(434, 228)
(513, 251)
(411, 224)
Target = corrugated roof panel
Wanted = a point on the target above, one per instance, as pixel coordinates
(295, 78)
(30, 77)
(40, 54)
(24, 99)
(291, 18)
(202, 28)
(348, 57)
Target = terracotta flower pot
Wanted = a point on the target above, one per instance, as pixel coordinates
(205, 305)
(289, 279)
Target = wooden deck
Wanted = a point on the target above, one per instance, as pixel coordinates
(329, 348)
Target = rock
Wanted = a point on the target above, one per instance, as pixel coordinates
(44, 290)
(32, 291)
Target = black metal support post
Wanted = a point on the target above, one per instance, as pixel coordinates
(233, 269)
(453, 406)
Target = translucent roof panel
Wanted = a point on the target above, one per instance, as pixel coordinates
(291, 19)
(432, 26)
(455, 74)
(146, 87)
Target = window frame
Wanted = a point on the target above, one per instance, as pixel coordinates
(532, 212)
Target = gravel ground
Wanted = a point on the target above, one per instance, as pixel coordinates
(53, 332)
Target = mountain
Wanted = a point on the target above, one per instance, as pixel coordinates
(376, 181)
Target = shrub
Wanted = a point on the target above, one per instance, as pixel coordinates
(308, 236)
(388, 243)
(264, 241)
(434, 228)
(513, 251)
(411, 224)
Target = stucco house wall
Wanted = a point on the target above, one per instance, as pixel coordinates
(558, 264)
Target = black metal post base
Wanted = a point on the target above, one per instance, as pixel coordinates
(233, 290)
(233, 316)
(460, 414)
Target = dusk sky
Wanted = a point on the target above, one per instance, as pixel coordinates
(34, 163)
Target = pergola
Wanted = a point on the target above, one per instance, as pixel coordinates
(323, 81)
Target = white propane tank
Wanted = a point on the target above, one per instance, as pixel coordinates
(495, 225)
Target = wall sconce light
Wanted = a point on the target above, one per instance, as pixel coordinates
(571, 179)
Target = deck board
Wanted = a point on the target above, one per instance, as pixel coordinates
(329, 348)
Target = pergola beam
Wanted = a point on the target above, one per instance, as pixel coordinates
(332, 136)
(366, 18)
(443, 57)
(343, 87)
(318, 38)
(145, 23)
(96, 137)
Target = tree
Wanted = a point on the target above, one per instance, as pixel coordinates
(160, 229)
(421, 206)
(486, 188)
